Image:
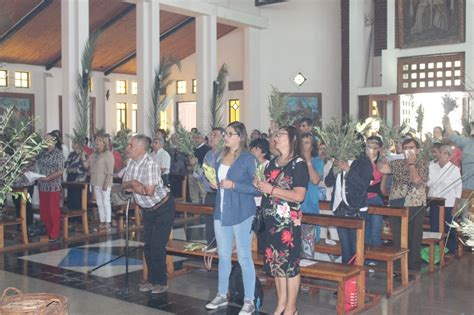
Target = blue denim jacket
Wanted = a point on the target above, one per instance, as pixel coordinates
(239, 203)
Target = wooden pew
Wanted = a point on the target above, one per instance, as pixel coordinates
(328, 271)
(66, 214)
(389, 254)
(440, 241)
(16, 221)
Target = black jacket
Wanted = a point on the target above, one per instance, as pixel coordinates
(357, 182)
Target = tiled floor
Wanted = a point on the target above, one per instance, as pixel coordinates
(63, 269)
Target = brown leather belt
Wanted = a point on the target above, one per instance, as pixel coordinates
(159, 204)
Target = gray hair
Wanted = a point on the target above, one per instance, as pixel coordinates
(144, 140)
(446, 148)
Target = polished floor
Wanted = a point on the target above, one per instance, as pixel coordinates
(64, 269)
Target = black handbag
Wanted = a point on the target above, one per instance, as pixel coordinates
(258, 223)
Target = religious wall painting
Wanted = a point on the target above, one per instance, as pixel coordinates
(304, 105)
(430, 22)
(24, 104)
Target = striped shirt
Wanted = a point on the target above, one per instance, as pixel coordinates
(147, 173)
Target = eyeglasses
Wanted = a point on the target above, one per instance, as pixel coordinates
(230, 134)
(279, 134)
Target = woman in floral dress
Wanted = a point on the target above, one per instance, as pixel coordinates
(284, 191)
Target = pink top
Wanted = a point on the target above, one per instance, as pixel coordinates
(377, 179)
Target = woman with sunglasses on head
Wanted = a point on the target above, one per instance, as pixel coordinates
(284, 191)
(233, 215)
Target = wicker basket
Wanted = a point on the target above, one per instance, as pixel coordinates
(32, 303)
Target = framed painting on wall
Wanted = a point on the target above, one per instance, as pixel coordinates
(23, 103)
(429, 22)
(304, 105)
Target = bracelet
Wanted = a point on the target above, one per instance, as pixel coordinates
(271, 192)
(410, 164)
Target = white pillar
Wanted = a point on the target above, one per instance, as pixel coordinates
(148, 58)
(252, 109)
(74, 34)
(206, 72)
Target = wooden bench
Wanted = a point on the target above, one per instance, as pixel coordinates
(66, 213)
(440, 241)
(329, 271)
(16, 221)
(388, 254)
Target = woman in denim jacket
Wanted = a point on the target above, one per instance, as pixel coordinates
(233, 214)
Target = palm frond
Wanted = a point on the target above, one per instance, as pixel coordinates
(420, 116)
(391, 135)
(159, 100)
(343, 141)
(449, 103)
(18, 147)
(278, 107)
(218, 89)
(81, 98)
(184, 140)
(466, 127)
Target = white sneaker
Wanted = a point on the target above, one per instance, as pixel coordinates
(248, 308)
(218, 301)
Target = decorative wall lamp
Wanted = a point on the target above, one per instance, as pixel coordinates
(299, 79)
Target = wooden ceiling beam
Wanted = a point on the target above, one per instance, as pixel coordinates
(25, 19)
(163, 36)
(101, 28)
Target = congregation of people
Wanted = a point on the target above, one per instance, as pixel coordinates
(298, 174)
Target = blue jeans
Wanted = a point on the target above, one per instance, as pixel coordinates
(373, 224)
(243, 239)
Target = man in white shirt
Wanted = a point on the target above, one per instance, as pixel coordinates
(161, 157)
(444, 182)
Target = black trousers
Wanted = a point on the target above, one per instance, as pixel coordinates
(415, 233)
(210, 200)
(29, 208)
(157, 225)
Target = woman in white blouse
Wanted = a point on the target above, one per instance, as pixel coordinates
(444, 182)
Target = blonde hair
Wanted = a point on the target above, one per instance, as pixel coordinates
(105, 140)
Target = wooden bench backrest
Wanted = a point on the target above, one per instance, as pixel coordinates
(342, 222)
(394, 212)
(440, 202)
(83, 186)
(194, 208)
(24, 196)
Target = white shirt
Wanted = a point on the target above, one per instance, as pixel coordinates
(222, 173)
(163, 159)
(445, 182)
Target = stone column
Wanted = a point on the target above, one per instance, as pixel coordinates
(74, 35)
(206, 73)
(148, 58)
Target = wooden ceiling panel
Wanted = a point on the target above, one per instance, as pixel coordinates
(101, 11)
(14, 10)
(38, 40)
(115, 42)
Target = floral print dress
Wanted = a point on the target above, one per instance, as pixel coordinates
(283, 219)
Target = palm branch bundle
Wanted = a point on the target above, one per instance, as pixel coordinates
(425, 147)
(18, 147)
(218, 89)
(420, 116)
(391, 135)
(81, 130)
(159, 99)
(449, 104)
(278, 108)
(343, 142)
(466, 228)
(121, 139)
(184, 140)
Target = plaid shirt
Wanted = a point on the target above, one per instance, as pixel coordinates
(146, 172)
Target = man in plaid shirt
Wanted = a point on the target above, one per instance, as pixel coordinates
(143, 178)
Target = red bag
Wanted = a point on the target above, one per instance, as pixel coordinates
(350, 288)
